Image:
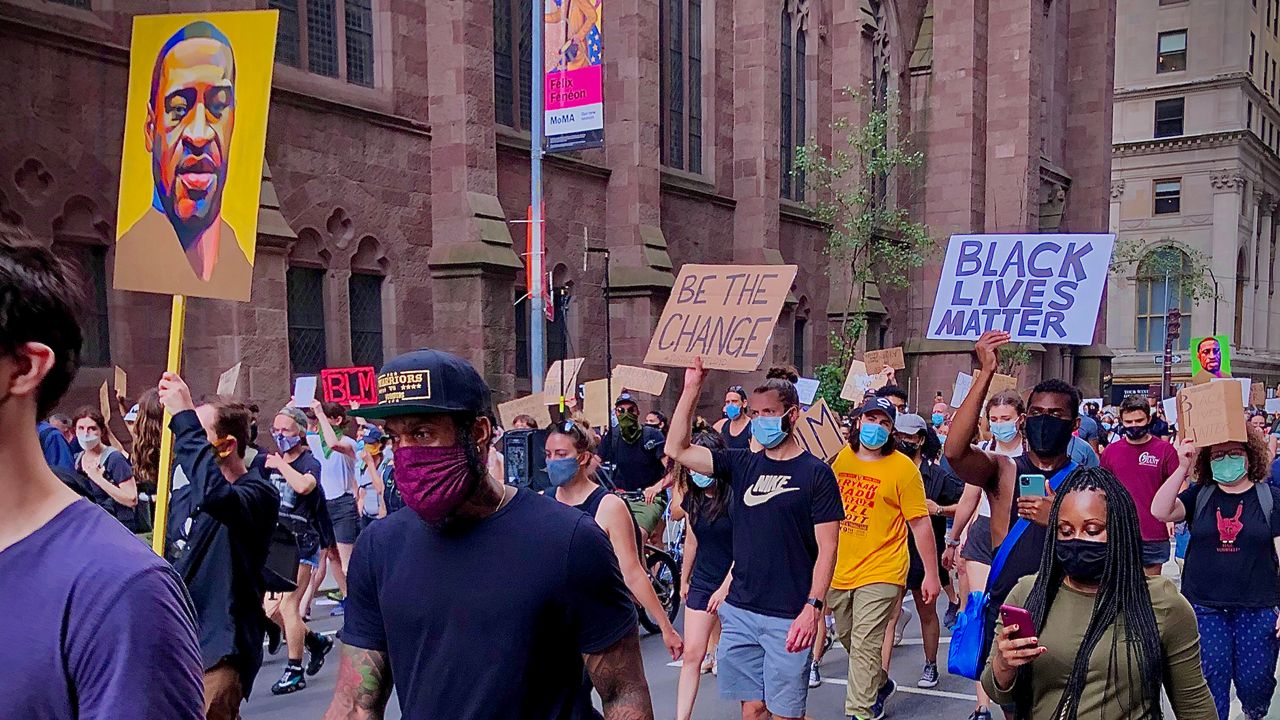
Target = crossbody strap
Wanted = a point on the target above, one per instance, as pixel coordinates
(1020, 527)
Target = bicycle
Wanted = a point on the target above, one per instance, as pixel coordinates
(662, 568)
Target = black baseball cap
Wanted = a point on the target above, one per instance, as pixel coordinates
(424, 382)
(879, 404)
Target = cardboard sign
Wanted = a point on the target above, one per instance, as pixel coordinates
(856, 382)
(228, 381)
(1170, 406)
(818, 430)
(561, 380)
(723, 313)
(877, 360)
(105, 401)
(1273, 405)
(1257, 394)
(1245, 386)
(531, 405)
(808, 389)
(630, 377)
(121, 383)
(349, 385)
(964, 381)
(161, 212)
(999, 383)
(597, 406)
(304, 391)
(1038, 288)
(1210, 413)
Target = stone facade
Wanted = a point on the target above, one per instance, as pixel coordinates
(1225, 167)
(414, 179)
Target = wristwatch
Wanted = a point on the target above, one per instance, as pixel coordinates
(952, 543)
(816, 603)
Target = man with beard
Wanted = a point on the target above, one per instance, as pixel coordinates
(181, 245)
(478, 601)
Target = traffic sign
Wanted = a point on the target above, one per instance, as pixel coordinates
(1159, 359)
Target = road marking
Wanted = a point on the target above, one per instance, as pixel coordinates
(920, 641)
(914, 691)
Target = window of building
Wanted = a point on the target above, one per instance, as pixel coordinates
(82, 4)
(1169, 117)
(1252, 41)
(305, 296)
(365, 294)
(1248, 114)
(90, 262)
(1242, 279)
(1168, 196)
(792, 136)
(1160, 287)
(1273, 78)
(512, 66)
(1268, 23)
(1171, 53)
(333, 38)
(798, 343)
(680, 40)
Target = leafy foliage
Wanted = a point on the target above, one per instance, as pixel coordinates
(1143, 260)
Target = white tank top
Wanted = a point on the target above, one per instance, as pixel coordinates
(336, 471)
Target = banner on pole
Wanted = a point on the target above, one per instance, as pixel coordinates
(573, 86)
(1038, 288)
(349, 385)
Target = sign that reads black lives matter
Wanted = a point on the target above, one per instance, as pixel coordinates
(723, 313)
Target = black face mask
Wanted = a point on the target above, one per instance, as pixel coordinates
(908, 448)
(1048, 436)
(1082, 560)
(1137, 432)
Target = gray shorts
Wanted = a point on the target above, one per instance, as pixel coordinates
(1155, 552)
(754, 663)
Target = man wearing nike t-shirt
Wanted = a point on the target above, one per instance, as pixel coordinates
(788, 509)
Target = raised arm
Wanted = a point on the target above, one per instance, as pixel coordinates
(363, 687)
(343, 445)
(1165, 506)
(679, 445)
(974, 466)
(617, 673)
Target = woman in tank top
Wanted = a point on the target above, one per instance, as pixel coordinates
(570, 449)
(735, 426)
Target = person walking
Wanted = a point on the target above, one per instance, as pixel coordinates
(478, 601)
(635, 450)
(1142, 462)
(1103, 637)
(1229, 574)
(338, 457)
(90, 614)
(108, 472)
(785, 511)
(735, 426)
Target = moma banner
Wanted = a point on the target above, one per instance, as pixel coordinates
(573, 87)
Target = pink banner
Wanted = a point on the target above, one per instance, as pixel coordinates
(574, 88)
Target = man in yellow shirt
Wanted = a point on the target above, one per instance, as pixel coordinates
(882, 493)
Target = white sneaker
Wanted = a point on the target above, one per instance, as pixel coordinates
(707, 661)
(903, 618)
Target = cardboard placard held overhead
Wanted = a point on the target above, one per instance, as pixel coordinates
(877, 360)
(639, 379)
(304, 391)
(121, 383)
(596, 403)
(818, 430)
(999, 383)
(1210, 413)
(105, 401)
(723, 313)
(1273, 405)
(964, 381)
(808, 389)
(228, 381)
(858, 381)
(1257, 395)
(531, 405)
(1170, 406)
(349, 385)
(1245, 386)
(561, 380)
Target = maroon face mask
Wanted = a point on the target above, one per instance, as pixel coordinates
(434, 481)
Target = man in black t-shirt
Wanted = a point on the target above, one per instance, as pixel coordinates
(478, 601)
(786, 512)
(636, 451)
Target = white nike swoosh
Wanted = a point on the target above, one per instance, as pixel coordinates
(751, 499)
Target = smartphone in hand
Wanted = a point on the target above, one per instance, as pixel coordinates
(1013, 615)
(1031, 485)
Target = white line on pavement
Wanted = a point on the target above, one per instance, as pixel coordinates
(913, 691)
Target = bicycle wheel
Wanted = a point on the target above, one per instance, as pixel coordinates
(665, 576)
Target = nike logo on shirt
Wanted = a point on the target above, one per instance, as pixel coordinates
(766, 488)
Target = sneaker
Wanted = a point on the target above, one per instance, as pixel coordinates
(319, 646)
(291, 681)
(981, 714)
(339, 610)
(273, 638)
(885, 692)
(903, 618)
(815, 678)
(707, 661)
(953, 613)
(928, 676)
(715, 665)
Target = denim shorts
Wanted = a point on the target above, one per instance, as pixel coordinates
(1155, 552)
(754, 663)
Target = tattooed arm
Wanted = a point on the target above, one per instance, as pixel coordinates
(618, 675)
(364, 685)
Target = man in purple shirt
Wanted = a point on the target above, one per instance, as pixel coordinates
(95, 625)
(1142, 462)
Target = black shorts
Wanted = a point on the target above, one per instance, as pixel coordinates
(698, 598)
(344, 518)
(978, 545)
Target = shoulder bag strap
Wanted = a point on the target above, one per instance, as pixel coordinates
(1020, 527)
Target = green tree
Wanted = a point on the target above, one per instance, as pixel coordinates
(1187, 266)
(869, 230)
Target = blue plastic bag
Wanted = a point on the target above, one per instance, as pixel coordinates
(964, 656)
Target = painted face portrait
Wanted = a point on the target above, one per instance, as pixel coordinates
(189, 127)
(1210, 354)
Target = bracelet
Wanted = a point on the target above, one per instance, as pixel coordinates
(952, 543)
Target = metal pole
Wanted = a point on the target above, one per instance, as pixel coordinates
(1166, 371)
(537, 291)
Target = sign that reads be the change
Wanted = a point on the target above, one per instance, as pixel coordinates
(1038, 288)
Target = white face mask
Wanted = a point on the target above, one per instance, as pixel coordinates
(90, 440)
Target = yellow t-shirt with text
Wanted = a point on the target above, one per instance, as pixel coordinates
(879, 498)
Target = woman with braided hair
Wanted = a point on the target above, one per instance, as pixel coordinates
(1106, 636)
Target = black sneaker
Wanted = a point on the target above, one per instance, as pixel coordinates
(290, 682)
(885, 692)
(273, 638)
(981, 714)
(319, 646)
(928, 676)
(953, 614)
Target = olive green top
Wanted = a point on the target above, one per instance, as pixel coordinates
(1064, 631)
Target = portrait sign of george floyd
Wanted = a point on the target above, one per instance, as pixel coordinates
(723, 313)
(1038, 288)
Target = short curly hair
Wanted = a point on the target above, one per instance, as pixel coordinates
(1258, 460)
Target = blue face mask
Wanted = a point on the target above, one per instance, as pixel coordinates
(938, 419)
(873, 436)
(562, 470)
(732, 412)
(285, 442)
(1004, 431)
(768, 431)
(702, 481)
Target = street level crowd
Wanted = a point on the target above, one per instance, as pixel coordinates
(1043, 521)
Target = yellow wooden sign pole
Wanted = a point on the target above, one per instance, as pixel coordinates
(177, 323)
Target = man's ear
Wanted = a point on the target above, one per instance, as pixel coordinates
(29, 366)
(148, 128)
(482, 433)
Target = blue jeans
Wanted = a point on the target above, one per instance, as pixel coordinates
(1239, 645)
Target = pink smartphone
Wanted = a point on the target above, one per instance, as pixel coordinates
(1012, 615)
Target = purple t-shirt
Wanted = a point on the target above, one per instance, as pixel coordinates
(95, 626)
(1142, 469)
